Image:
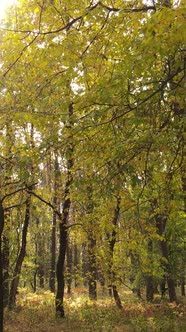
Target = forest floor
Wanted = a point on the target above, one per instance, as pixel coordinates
(35, 313)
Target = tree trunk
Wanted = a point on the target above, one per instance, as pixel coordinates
(92, 270)
(1, 266)
(60, 271)
(112, 242)
(69, 267)
(64, 222)
(53, 235)
(182, 286)
(161, 224)
(149, 278)
(21, 256)
(5, 262)
(76, 262)
(91, 257)
(149, 288)
(53, 254)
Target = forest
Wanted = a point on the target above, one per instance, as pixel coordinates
(93, 166)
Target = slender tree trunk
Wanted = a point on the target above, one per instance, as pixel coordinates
(76, 262)
(112, 242)
(161, 224)
(149, 278)
(183, 286)
(53, 255)
(21, 256)
(53, 236)
(91, 257)
(1, 266)
(85, 272)
(63, 224)
(92, 270)
(69, 267)
(5, 260)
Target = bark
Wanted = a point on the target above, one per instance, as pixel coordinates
(21, 256)
(161, 224)
(149, 288)
(149, 278)
(5, 262)
(182, 286)
(53, 235)
(92, 264)
(53, 255)
(63, 225)
(112, 242)
(69, 267)
(76, 262)
(1, 266)
(92, 270)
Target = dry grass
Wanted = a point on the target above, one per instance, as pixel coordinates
(35, 313)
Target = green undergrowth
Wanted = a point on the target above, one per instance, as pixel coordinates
(36, 312)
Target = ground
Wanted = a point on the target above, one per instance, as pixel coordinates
(35, 313)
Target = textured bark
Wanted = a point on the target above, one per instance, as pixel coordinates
(21, 256)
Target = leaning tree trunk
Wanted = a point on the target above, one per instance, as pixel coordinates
(64, 221)
(1, 267)
(21, 256)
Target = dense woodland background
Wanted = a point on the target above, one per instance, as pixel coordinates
(92, 159)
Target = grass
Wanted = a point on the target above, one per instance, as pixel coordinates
(35, 313)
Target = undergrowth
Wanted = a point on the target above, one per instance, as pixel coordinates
(35, 313)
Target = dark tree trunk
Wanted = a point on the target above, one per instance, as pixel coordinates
(161, 224)
(60, 271)
(84, 251)
(69, 267)
(63, 223)
(182, 286)
(117, 297)
(41, 276)
(76, 262)
(53, 255)
(149, 288)
(1, 266)
(5, 260)
(21, 256)
(112, 242)
(149, 278)
(53, 236)
(92, 269)
(91, 257)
